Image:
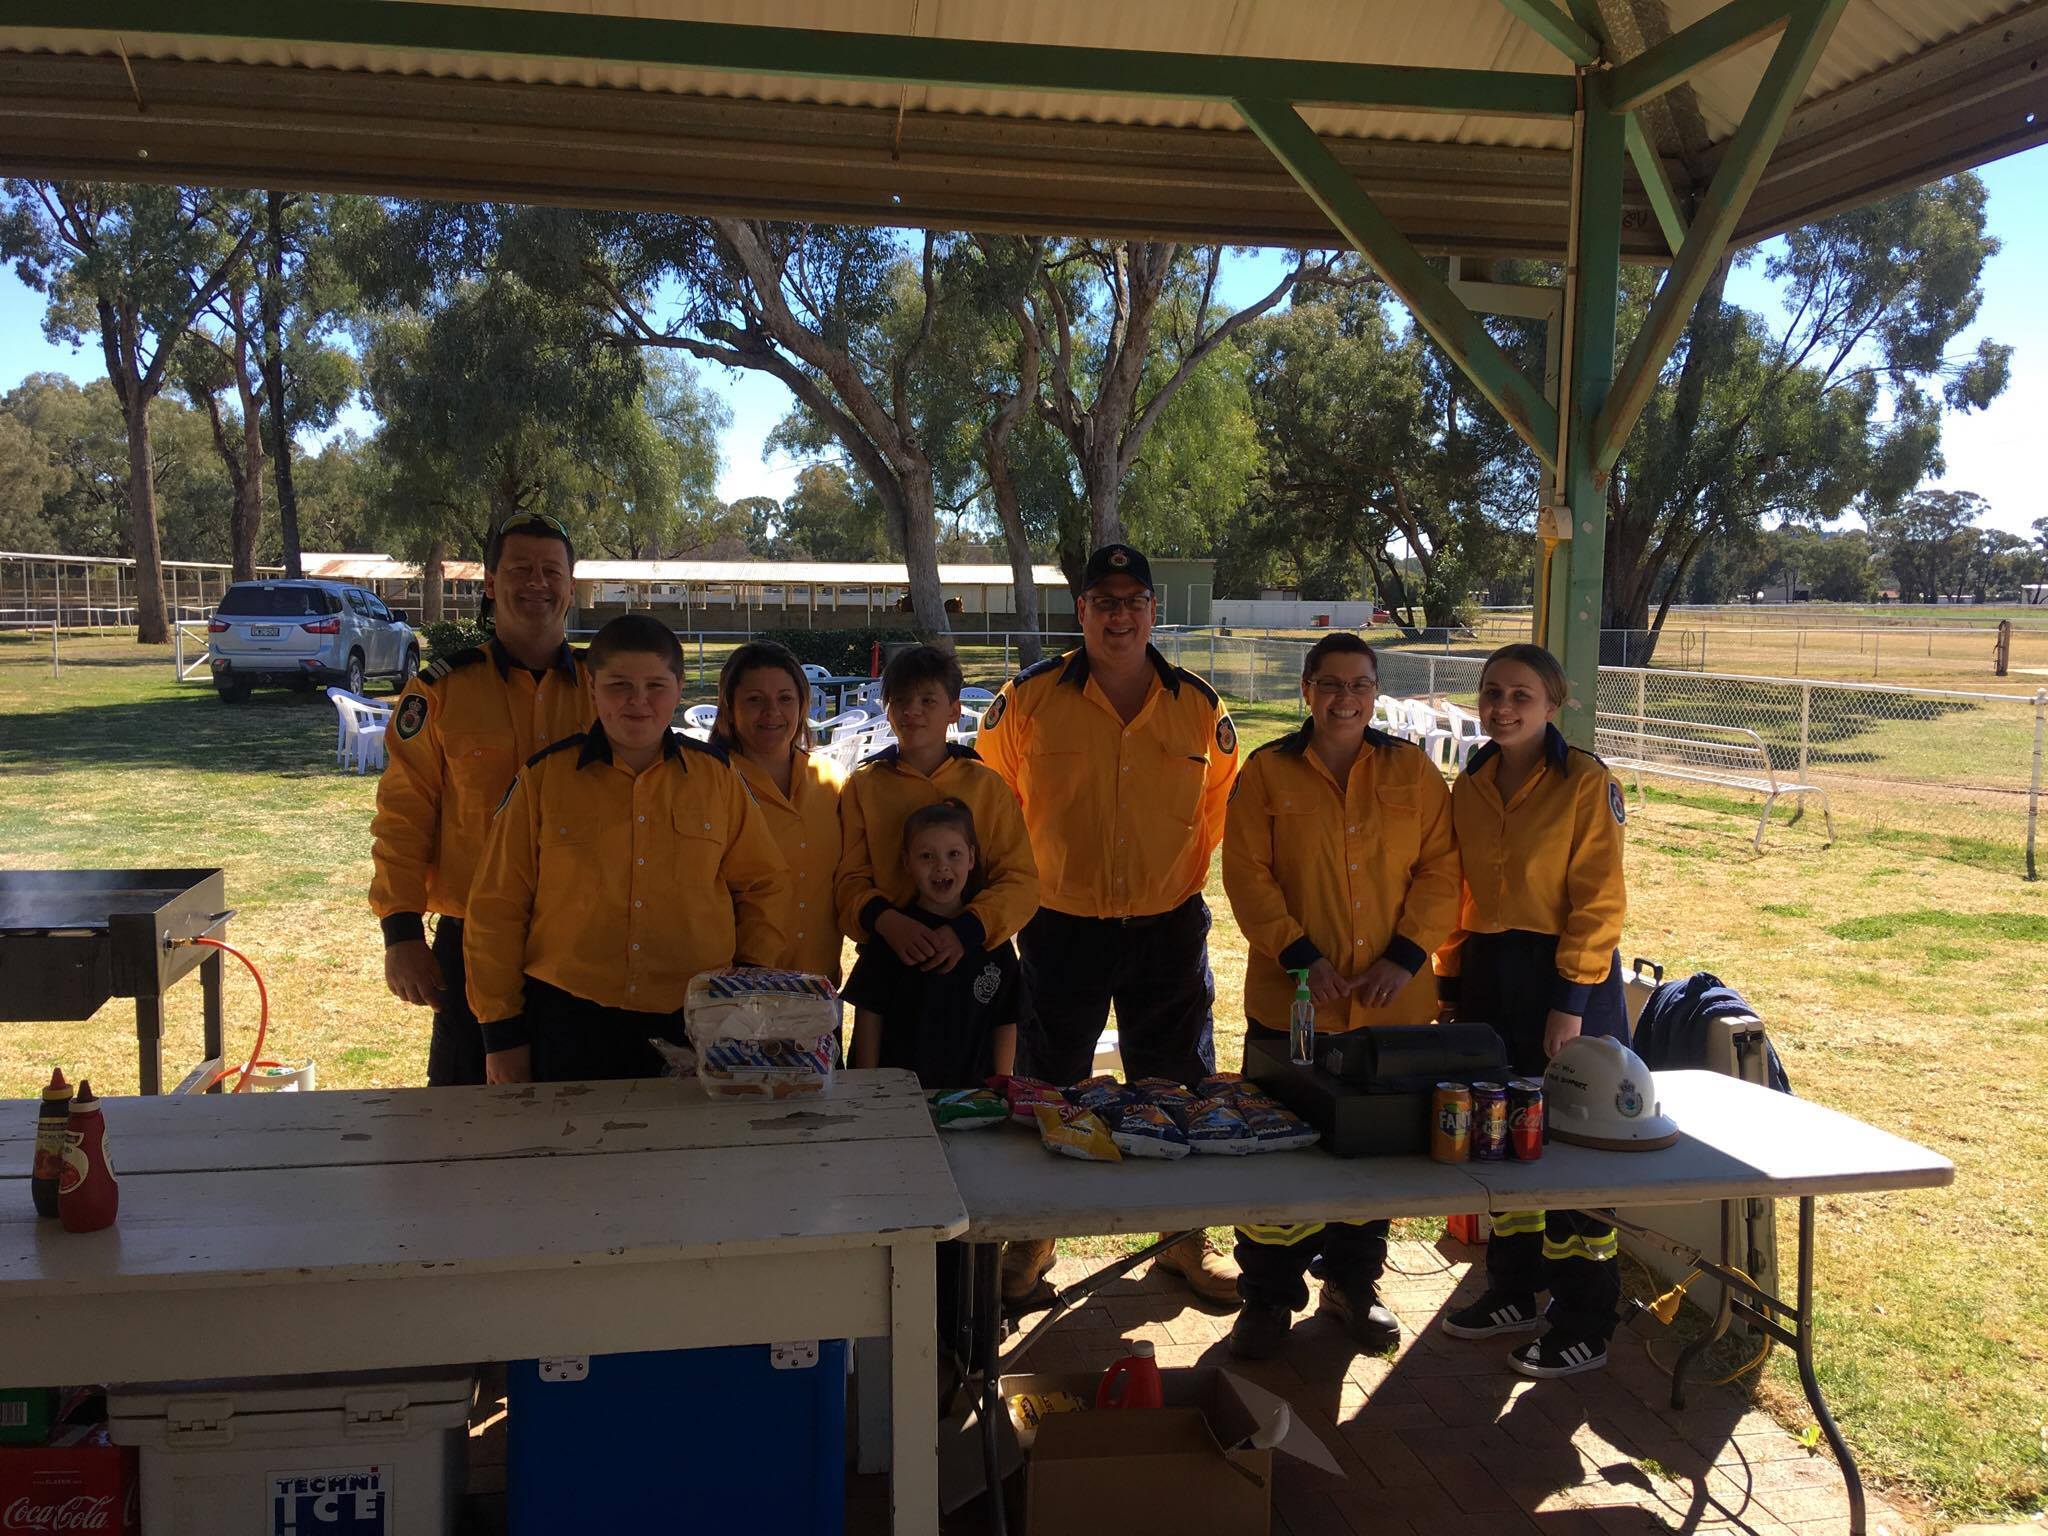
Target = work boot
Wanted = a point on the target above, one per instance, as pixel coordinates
(1260, 1330)
(1371, 1326)
(1211, 1276)
(1025, 1264)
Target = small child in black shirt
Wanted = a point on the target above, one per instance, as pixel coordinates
(952, 1028)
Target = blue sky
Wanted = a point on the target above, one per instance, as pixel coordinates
(1994, 453)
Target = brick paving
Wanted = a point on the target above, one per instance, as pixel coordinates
(1438, 1437)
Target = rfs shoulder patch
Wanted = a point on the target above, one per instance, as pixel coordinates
(412, 714)
(995, 712)
(1226, 736)
(1616, 804)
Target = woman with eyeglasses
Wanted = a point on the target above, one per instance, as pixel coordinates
(1339, 860)
(764, 706)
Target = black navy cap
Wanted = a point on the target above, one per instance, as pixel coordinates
(1117, 560)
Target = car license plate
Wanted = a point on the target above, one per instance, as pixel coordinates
(264, 631)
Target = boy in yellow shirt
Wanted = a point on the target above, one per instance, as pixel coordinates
(624, 860)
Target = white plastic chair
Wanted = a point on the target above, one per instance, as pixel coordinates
(980, 698)
(1467, 735)
(830, 730)
(1428, 731)
(968, 727)
(700, 717)
(361, 727)
(344, 723)
(816, 673)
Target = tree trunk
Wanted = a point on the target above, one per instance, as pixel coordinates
(921, 558)
(272, 298)
(1022, 574)
(248, 524)
(1103, 483)
(431, 581)
(152, 626)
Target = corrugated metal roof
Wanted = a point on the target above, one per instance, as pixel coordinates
(382, 568)
(800, 573)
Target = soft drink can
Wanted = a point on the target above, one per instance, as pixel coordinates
(1450, 1123)
(1525, 1118)
(1489, 1122)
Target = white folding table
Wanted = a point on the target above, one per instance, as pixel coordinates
(1738, 1141)
(276, 1234)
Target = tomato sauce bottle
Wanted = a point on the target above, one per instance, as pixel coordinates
(88, 1198)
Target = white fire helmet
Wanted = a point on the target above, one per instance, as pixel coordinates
(1598, 1093)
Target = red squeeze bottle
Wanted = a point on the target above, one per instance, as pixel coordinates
(87, 1196)
(1133, 1382)
(49, 1155)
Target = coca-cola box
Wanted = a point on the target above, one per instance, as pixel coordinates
(79, 1482)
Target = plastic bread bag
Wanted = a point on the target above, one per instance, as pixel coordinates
(1146, 1130)
(1215, 1126)
(1276, 1129)
(1072, 1131)
(967, 1109)
(676, 1060)
(762, 1033)
(1024, 1095)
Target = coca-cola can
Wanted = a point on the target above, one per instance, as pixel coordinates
(1525, 1118)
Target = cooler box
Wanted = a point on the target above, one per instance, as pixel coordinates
(355, 1453)
(747, 1438)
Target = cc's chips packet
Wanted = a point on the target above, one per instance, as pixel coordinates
(1146, 1130)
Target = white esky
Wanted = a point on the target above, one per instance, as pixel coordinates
(1993, 452)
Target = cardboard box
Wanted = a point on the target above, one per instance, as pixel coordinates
(1171, 1470)
(78, 1482)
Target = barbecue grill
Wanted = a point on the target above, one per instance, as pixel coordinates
(72, 938)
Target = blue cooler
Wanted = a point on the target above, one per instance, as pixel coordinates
(750, 1438)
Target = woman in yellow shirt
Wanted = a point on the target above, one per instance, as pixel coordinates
(1539, 827)
(764, 706)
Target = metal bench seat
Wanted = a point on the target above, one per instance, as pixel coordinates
(1726, 756)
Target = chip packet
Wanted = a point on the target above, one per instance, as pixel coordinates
(1275, 1128)
(1215, 1126)
(1025, 1094)
(1146, 1130)
(1072, 1131)
(1103, 1094)
(967, 1109)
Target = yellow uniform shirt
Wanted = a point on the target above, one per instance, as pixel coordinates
(619, 887)
(457, 736)
(805, 824)
(1341, 872)
(1548, 861)
(1123, 818)
(880, 795)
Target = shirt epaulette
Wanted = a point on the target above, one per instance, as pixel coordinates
(441, 666)
(553, 747)
(1040, 668)
(1201, 686)
(1596, 757)
(712, 748)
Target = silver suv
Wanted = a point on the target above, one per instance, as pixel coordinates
(306, 634)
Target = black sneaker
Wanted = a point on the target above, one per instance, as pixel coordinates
(1371, 1326)
(1495, 1312)
(1260, 1330)
(1558, 1354)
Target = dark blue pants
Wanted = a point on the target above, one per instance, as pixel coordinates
(1156, 971)
(1506, 982)
(455, 1054)
(575, 1039)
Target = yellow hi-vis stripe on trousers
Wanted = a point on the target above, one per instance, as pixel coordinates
(1281, 1237)
(1599, 1248)
(1513, 1223)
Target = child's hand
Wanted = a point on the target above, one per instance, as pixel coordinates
(911, 940)
(947, 949)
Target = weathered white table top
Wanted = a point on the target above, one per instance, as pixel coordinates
(1737, 1140)
(225, 1189)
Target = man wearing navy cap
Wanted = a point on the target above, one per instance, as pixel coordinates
(1123, 763)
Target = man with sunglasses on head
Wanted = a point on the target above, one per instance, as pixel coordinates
(1123, 763)
(457, 738)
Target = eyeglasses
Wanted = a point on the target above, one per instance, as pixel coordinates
(1107, 606)
(1336, 687)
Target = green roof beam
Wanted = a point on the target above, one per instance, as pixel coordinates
(809, 54)
(1657, 183)
(1742, 166)
(1437, 310)
(1556, 28)
(1686, 52)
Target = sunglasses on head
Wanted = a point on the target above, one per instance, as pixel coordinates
(521, 522)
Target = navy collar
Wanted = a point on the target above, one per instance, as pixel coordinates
(597, 749)
(1076, 669)
(893, 753)
(1556, 750)
(565, 660)
(1296, 741)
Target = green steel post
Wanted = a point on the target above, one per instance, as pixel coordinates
(419, 26)
(1556, 28)
(1437, 310)
(1578, 569)
(1686, 52)
(1742, 166)
(1657, 183)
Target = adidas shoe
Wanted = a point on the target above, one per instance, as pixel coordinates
(1493, 1313)
(1558, 1354)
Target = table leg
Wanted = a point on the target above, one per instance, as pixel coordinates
(210, 975)
(149, 1043)
(1722, 1314)
(913, 1402)
(1804, 1350)
(988, 1336)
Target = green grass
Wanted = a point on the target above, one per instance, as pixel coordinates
(1901, 983)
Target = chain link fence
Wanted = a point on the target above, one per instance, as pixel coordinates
(1957, 774)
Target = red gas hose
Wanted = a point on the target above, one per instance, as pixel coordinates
(262, 1017)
